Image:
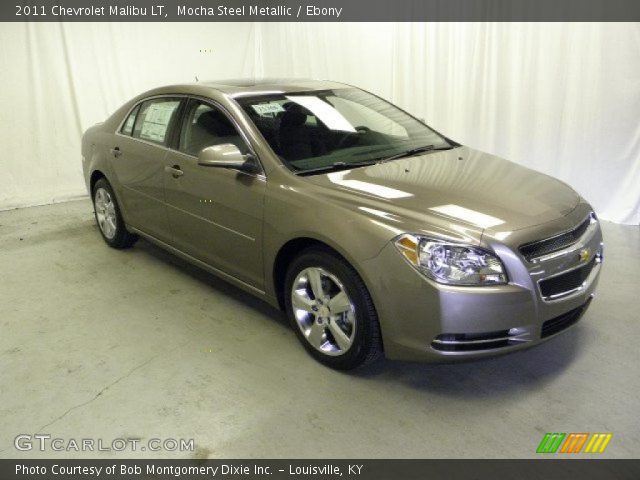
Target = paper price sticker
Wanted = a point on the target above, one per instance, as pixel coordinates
(268, 108)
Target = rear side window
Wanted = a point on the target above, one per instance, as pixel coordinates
(127, 128)
(153, 119)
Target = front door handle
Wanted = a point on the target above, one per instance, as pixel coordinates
(174, 171)
(116, 151)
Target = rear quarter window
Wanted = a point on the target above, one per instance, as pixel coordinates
(127, 127)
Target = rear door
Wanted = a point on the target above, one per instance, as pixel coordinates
(215, 214)
(139, 153)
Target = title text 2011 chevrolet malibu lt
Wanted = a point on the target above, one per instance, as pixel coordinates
(371, 230)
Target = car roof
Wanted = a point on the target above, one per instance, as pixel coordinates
(284, 85)
(242, 87)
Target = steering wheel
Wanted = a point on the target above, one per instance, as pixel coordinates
(352, 136)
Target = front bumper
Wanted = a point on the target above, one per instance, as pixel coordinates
(425, 321)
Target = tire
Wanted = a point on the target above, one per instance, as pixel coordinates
(108, 216)
(318, 322)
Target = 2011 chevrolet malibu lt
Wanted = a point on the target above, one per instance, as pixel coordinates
(373, 232)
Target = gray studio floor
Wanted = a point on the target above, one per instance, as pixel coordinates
(111, 344)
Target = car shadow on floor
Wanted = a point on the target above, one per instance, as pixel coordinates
(486, 377)
(211, 281)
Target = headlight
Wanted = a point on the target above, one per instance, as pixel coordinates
(451, 263)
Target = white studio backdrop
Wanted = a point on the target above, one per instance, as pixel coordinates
(58, 79)
(562, 98)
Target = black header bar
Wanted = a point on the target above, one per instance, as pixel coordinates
(320, 10)
(540, 469)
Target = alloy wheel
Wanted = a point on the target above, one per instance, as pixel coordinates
(105, 213)
(323, 311)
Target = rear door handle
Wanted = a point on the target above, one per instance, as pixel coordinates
(116, 151)
(174, 171)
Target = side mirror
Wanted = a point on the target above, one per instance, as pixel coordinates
(226, 155)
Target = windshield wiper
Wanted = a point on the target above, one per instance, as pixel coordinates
(414, 151)
(337, 166)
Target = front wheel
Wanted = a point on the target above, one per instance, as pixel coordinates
(331, 310)
(109, 218)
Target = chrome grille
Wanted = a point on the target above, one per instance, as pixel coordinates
(565, 283)
(549, 245)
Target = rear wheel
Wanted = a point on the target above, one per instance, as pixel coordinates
(108, 217)
(331, 310)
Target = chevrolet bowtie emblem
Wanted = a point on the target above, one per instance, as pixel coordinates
(584, 254)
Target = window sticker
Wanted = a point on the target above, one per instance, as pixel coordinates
(153, 131)
(156, 121)
(160, 112)
(268, 108)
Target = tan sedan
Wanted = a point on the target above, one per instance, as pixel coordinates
(373, 232)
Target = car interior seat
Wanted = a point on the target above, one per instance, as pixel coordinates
(297, 140)
(212, 128)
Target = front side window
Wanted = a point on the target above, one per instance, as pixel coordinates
(205, 125)
(153, 119)
(318, 129)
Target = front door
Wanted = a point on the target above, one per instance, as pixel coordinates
(215, 214)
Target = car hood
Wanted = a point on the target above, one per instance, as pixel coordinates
(462, 185)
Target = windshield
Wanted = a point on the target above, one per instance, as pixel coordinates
(336, 128)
